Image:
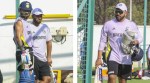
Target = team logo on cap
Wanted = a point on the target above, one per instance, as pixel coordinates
(27, 5)
(120, 4)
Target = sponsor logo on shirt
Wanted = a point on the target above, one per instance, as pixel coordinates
(127, 28)
(113, 28)
(44, 31)
(117, 34)
(33, 32)
(29, 32)
(39, 37)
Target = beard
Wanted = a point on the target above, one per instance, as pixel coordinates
(36, 21)
(119, 18)
(25, 15)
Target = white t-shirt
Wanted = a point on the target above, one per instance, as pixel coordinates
(41, 35)
(113, 30)
(26, 32)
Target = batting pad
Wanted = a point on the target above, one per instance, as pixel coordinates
(128, 37)
(26, 77)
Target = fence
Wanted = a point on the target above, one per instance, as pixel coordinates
(85, 39)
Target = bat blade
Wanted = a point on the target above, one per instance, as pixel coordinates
(98, 75)
(53, 76)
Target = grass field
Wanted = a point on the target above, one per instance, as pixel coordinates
(129, 81)
(105, 81)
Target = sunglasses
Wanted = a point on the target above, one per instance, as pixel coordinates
(118, 11)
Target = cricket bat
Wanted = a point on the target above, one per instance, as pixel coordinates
(52, 76)
(98, 75)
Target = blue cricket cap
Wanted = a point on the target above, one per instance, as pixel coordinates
(25, 5)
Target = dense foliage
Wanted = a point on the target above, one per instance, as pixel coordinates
(104, 10)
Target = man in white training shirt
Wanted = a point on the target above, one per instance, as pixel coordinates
(42, 46)
(119, 61)
(23, 41)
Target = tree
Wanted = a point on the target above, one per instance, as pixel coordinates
(104, 10)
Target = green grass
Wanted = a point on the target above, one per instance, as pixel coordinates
(138, 81)
(132, 81)
(129, 81)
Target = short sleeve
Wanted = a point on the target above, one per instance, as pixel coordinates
(48, 34)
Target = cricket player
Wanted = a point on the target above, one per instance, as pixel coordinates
(42, 46)
(23, 41)
(148, 58)
(119, 60)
